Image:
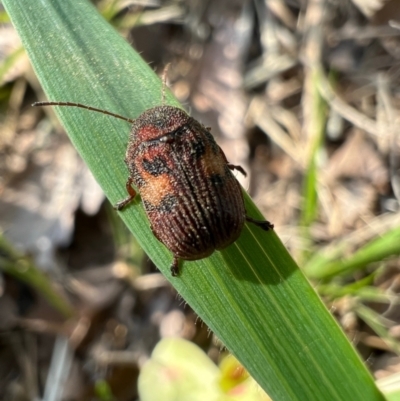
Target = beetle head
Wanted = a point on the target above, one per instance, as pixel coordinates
(158, 122)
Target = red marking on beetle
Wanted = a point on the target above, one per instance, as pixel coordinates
(193, 201)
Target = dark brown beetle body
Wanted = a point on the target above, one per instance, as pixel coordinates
(194, 203)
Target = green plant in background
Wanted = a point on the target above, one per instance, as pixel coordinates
(252, 295)
(333, 265)
(331, 262)
(103, 391)
(180, 371)
(23, 269)
(309, 210)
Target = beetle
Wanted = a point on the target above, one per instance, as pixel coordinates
(193, 201)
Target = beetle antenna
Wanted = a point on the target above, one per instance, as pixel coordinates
(83, 106)
(164, 83)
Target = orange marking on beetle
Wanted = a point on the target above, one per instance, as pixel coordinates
(156, 188)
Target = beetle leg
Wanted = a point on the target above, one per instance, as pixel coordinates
(132, 193)
(238, 168)
(264, 224)
(230, 165)
(175, 267)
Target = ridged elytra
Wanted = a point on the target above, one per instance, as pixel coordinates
(193, 201)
